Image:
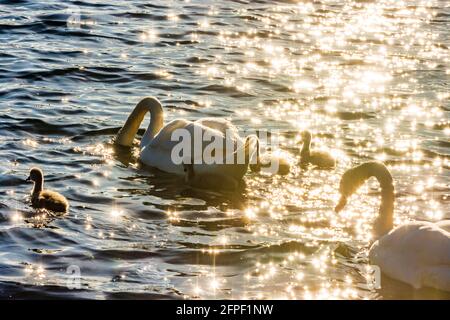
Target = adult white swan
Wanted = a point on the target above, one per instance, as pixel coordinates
(157, 145)
(417, 253)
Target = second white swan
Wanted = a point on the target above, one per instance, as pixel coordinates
(417, 253)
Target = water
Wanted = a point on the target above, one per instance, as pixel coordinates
(370, 79)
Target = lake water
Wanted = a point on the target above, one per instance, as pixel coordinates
(370, 79)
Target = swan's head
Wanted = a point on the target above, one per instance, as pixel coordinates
(306, 136)
(350, 182)
(355, 177)
(341, 204)
(36, 175)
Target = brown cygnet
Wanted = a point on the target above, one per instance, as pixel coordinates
(45, 199)
(318, 158)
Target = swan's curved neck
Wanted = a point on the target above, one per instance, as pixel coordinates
(355, 177)
(38, 187)
(126, 135)
(306, 144)
(385, 220)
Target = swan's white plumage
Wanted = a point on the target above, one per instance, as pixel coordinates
(157, 145)
(219, 124)
(444, 224)
(437, 277)
(417, 253)
(158, 153)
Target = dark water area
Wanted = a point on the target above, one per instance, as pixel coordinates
(371, 80)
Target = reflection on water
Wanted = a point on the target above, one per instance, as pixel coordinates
(369, 79)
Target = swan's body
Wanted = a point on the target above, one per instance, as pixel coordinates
(318, 158)
(45, 199)
(417, 253)
(209, 181)
(157, 145)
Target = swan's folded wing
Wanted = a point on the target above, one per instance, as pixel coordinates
(411, 252)
(218, 124)
(429, 243)
(434, 245)
(229, 132)
(163, 139)
(167, 138)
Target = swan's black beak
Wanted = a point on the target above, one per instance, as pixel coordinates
(341, 204)
(28, 179)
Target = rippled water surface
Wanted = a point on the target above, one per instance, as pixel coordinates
(369, 79)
